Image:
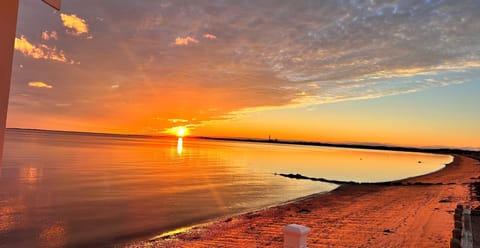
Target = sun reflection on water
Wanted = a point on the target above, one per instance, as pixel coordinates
(180, 146)
(170, 233)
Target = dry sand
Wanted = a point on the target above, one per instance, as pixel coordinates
(351, 216)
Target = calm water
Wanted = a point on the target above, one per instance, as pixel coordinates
(60, 189)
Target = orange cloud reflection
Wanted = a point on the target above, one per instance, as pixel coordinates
(53, 235)
(30, 175)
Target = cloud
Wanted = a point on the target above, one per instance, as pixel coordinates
(41, 51)
(331, 50)
(63, 104)
(49, 36)
(75, 24)
(210, 36)
(177, 120)
(179, 41)
(39, 84)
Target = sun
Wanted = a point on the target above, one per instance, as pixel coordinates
(181, 131)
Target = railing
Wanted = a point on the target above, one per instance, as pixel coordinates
(462, 236)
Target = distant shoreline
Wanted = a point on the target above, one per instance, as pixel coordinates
(466, 152)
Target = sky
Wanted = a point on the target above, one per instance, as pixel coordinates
(377, 72)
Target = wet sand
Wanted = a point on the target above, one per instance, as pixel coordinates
(364, 215)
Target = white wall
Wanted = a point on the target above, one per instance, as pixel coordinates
(8, 23)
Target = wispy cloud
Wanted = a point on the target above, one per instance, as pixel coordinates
(302, 53)
(63, 105)
(179, 41)
(49, 35)
(38, 84)
(210, 36)
(40, 51)
(74, 24)
(177, 120)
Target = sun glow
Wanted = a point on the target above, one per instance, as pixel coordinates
(181, 131)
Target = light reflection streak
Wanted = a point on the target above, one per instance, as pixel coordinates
(53, 235)
(30, 175)
(7, 220)
(180, 146)
(170, 233)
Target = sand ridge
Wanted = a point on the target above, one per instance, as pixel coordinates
(362, 215)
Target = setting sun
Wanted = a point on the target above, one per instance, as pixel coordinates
(181, 131)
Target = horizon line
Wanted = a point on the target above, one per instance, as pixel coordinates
(353, 145)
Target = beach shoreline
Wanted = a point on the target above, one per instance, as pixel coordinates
(416, 213)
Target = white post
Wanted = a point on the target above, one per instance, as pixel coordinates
(295, 236)
(8, 26)
(467, 234)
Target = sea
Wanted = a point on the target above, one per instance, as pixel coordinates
(69, 189)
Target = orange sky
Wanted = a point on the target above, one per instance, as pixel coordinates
(392, 73)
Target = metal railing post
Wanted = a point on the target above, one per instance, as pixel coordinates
(8, 26)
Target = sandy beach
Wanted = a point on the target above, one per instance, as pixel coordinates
(365, 215)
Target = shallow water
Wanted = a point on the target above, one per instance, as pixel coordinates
(67, 189)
